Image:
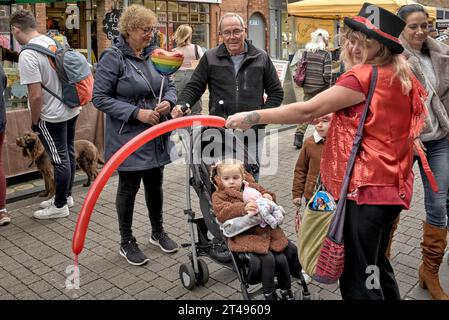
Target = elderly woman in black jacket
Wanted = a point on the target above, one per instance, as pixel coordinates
(126, 88)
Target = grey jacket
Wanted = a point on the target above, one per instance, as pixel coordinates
(231, 93)
(2, 100)
(119, 91)
(439, 55)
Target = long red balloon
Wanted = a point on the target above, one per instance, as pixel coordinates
(94, 192)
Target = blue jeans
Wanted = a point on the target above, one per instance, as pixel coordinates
(436, 203)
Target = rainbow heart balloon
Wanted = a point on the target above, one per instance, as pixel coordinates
(166, 63)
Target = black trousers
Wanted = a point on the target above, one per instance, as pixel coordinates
(274, 264)
(128, 186)
(58, 140)
(368, 274)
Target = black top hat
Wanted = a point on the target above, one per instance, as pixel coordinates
(379, 24)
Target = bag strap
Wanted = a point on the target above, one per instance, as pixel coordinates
(47, 52)
(337, 223)
(197, 55)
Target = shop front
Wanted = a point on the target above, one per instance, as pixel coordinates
(70, 23)
(171, 14)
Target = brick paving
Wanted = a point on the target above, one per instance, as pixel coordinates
(35, 254)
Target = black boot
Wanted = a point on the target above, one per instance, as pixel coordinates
(298, 140)
(271, 296)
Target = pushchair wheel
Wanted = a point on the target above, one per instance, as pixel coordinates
(299, 295)
(187, 276)
(203, 276)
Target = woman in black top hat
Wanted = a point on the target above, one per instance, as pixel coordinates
(381, 184)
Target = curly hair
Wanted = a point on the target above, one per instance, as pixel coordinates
(134, 17)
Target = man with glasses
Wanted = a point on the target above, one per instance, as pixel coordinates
(237, 74)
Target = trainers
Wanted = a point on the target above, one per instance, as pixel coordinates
(133, 254)
(49, 202)
(5, 218)
(164, 242)
(52, 212)
(307, 278)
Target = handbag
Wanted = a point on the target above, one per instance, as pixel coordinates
(321, 249)
(300, 73)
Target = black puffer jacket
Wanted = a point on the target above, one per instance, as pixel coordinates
(231, 93)
(119, 90)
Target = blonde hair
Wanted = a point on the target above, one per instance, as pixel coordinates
(183, 35)
(216, 170)
(384, 57)
(134, 17)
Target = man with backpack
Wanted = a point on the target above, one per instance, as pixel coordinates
(52, 120)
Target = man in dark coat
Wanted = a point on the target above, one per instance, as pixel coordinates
(237, 75)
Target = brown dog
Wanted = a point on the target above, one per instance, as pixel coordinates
(33, 148)
(86, 155)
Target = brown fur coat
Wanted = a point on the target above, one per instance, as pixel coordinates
(228, 204)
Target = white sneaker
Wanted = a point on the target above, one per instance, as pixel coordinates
(307, 278)
(49, 202)
(52, 212)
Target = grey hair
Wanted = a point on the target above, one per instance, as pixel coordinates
(231, 15)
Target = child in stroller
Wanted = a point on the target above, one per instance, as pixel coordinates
(266, 243)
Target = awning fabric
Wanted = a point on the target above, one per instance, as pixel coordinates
(337, 9)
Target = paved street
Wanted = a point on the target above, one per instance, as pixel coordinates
(35, 254)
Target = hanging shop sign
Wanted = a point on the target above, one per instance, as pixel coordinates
(110, 23)
(73, 17)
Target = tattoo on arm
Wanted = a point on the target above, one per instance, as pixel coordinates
(252, 118)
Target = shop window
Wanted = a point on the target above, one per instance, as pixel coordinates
(203, 8)
(194, 17)
(194, 7)
(149, 4)
(161, 6)
(204, 18)
(135, 2)
(173, 6)
(183, 7)
(183, 17)
(15, 94)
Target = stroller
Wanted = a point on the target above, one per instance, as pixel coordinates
(209, 240)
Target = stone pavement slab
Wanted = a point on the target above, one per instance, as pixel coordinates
(36, 257)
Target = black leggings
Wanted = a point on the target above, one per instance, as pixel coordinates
(128, 186)
(274, 264)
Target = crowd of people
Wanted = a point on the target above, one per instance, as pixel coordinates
(405, 67)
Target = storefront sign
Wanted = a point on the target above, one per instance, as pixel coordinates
(73, 18)
(442, 25)
(110, 23)
(281, 69)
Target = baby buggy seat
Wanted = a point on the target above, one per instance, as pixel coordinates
(204, 147)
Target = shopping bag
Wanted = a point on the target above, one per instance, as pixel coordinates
(313, 229)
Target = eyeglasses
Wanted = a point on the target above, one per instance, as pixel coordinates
(234, 33)
(147, 30)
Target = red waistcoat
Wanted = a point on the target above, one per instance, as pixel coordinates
(385, 156)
